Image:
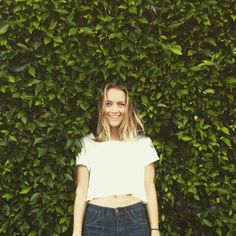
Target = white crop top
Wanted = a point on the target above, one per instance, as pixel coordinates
(115, 166)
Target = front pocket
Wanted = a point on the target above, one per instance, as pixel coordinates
(138, 215)
(91, 216)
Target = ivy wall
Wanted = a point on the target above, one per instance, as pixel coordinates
(177, 58)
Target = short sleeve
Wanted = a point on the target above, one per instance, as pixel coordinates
(82, 158)
(150, 153)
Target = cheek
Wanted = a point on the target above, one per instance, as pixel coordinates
(122, 111)
(106, 110)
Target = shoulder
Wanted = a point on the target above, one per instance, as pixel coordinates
(145, 142)
(87, 138)
(143, 138)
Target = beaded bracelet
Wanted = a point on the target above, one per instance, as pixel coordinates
(154, 229)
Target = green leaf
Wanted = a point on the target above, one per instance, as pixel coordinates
(62, 220)
(52, 25)
(211, 41)
(8, 196)
(186, 138)
(34, 197)
(223, 190)
(38, 140)
(230, 80)
(33, 82)
(3, 89)
(144, 99)
(176, 49)
(31, 70)
(158, 95)
(11, 79)
(41, 151)
(68, 177)
(31, 126)
(25, 190)
(115, 35)
(143, 20)
(133, 9)
(57, 39)
(46, 40)
(233, 17)
(225, 130)
(73, 31)
(86, 30)
(207, 222)
(62, 11)
(13, 138)
(32, 233)
(4, 28)
(105, 19)
(209, 91)
(19, 68)
(227, 141)
(21, 45)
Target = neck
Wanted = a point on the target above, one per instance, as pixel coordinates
(115, 134)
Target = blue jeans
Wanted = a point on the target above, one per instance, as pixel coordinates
(130, 220)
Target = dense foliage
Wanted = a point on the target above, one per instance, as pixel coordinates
(177, 58)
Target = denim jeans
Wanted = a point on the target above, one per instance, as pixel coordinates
(130, 220)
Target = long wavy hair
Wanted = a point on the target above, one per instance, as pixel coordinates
(130, 126)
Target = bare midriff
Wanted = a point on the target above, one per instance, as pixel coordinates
(116, 200)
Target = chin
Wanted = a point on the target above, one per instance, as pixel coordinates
(114, 125)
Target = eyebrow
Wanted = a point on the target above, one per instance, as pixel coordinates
(117, 102)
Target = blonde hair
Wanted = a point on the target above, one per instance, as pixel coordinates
(131, 124)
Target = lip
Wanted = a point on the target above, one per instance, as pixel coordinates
(114, 117)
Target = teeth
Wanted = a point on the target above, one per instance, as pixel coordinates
(114, 117)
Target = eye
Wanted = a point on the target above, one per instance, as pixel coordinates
(121, 105)
(108, 104)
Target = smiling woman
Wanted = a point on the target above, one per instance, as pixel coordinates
(116, 193)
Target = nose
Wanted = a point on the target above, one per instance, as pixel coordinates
(114, 108)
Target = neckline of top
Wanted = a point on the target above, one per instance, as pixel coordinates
(91, 136)
(110, 141)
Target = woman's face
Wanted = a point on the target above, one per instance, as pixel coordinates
(115, 106)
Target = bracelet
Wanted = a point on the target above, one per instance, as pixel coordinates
(154, 229)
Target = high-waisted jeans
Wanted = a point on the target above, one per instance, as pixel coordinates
(130, 220)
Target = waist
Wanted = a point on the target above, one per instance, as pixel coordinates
(111, 210)
(115, 200)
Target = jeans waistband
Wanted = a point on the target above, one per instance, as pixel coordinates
(111, 209)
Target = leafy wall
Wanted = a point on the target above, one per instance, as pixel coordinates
(177, 58)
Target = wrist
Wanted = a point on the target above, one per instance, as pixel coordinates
(76, 233)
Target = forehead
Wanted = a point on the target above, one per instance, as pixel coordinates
(115, 94)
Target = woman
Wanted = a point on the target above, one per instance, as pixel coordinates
(115, 194)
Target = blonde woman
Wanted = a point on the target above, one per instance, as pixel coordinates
(116, 194)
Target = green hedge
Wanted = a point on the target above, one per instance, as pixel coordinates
(177, 58)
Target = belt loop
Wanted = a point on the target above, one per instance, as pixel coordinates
(126, 209)
(104, 211)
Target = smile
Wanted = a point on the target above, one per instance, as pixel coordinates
(114, 117)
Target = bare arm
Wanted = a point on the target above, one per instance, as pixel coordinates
(80, 199)
(152, 203)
